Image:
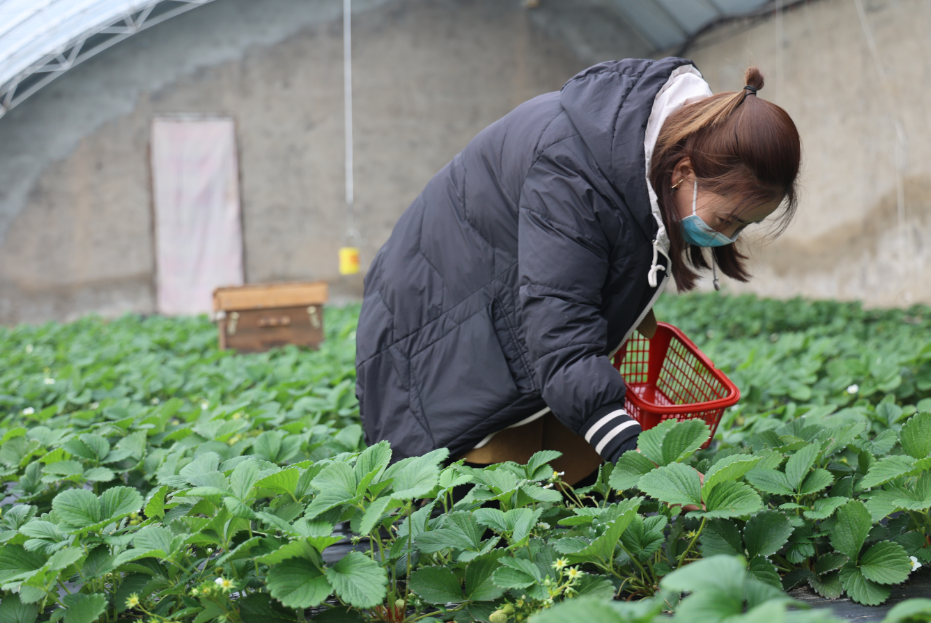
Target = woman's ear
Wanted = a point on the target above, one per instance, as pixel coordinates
(683, 172)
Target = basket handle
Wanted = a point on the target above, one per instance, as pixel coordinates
(658, 347)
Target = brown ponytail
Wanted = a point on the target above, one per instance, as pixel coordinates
(738, 145)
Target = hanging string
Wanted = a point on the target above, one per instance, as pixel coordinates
(780, 49)
(901, 148)
(349, 260)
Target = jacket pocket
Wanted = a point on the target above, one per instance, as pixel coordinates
(463, 378)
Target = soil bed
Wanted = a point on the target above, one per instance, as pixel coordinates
(918, 585)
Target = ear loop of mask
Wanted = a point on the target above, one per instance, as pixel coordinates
(714, 273)
(714, 268)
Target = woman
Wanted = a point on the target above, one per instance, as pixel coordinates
(528, 260)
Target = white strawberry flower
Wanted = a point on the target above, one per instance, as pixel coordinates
(915, 563)
(28, 348)
(49, 380)
(853, 389)
(28, 411)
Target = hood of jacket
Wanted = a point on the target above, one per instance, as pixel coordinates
(611, 105)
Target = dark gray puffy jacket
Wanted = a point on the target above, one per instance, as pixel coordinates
(521, 266)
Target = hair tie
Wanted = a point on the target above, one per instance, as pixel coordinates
(751, 89)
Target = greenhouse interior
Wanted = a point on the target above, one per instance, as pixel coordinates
(500, 311)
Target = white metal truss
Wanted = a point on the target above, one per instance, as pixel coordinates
(42, 39)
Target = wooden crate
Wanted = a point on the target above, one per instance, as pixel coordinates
(256, 318)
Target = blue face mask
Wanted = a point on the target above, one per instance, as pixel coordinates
(697, 232)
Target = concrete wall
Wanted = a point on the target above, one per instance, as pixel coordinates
(75, 202)
(848, 240)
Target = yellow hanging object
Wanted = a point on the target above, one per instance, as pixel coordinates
(348, 261)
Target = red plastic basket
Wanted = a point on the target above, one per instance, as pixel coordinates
(668, 378)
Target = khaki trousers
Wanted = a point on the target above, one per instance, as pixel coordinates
(518, 444)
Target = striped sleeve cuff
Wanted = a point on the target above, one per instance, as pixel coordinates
(608, 429)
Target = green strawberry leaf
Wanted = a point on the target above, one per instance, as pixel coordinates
(86, 609)
(828, 585)
(479, 581)
(718, 573)
(373, 515)
(154, 538)
(730, 499)
(64, 558)
(538, 461)
(77, 508)
(284, 481)
(243, 478)
(261, 608)
(816, 481)
(799, 464)
(829, 562)
(643, 538)
(336, 484)
(81, 511)
(595, 609)
(538, 493)
(595, 586)
(416, 476)
(358, 580)
(672, 441)
(442, 539)
(211, 610)
(12, 610)
(523, 520)
(721, 536)
(494, 519)
(518, 522)
(602, 548)
(375, 458)
(851, 527)
(516, 573)
(766, 533)
(729, 468)
(916, 436)
(297, 583)
(763, 570)
(99, 474)
(629, 469)
(155, 507)
(862, 590)
(824, 508)
(770, 481)
(437, 585)
(883, 503)
(300, 548)
(885, 563)
(673, 484)
(15, 560)
(917, 496)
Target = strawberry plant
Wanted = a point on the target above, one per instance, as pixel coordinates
(150, 477)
